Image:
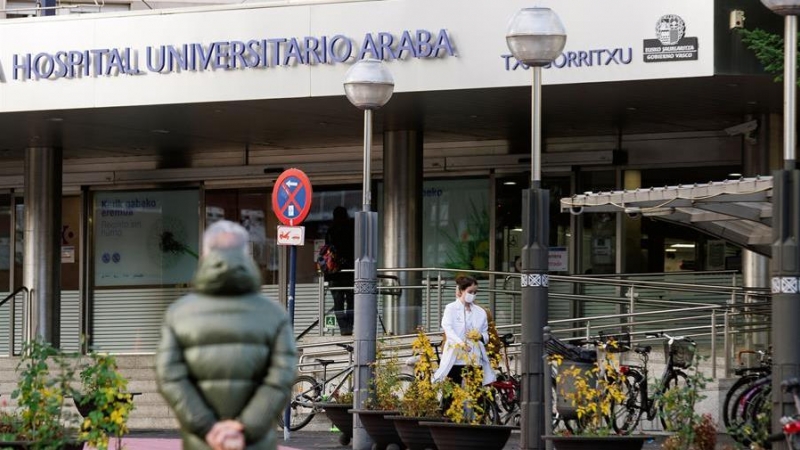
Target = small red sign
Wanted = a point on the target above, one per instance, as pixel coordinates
(291, 197)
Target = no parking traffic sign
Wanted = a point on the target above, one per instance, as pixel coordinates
(291, 197)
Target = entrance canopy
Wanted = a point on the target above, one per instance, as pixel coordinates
(738, 211)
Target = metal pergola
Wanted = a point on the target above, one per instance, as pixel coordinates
(738, 211)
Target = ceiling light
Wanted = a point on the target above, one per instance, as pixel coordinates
(670, 250)
(682, 245)
(55, 119)
(509, 183)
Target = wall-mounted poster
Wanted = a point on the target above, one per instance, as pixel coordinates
(145, 237)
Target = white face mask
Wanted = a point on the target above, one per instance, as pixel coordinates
(469, 297)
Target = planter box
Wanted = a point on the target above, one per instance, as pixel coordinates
(563, 405)
(598, 442)
(340, 416)
(414, 435)
(457, 436)
(380, 429)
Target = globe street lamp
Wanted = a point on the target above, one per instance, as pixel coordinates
(535, 37)
(785, 261)
(368, 85)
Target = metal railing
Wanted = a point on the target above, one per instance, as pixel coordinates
(713, 314)
(12, 316)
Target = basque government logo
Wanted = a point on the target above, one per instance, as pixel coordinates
(671, 43)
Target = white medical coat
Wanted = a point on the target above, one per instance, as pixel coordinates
(456, 323)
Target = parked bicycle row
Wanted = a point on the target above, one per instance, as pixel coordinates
(631, 400)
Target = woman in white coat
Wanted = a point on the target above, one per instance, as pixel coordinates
(464, 322)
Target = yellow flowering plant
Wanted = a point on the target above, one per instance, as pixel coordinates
(422, 397)
(44, 380)
(469, 402)
(591, 391)
(104, 401)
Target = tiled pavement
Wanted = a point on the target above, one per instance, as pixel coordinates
(301, 440)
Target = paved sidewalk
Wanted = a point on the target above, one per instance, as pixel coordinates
(306, 440)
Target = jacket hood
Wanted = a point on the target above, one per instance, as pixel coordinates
(226, 273)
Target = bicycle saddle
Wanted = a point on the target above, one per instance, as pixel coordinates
(507, 339)
(642, 349)
(325, 362)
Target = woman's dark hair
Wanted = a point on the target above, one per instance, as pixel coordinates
(463, 282)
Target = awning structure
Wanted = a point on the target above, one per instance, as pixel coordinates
(738, 211)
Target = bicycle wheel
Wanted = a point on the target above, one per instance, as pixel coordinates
(625, 415)
(744, 423)
(305, 391)
(491, 413)
(756, 414)
(729, 406)
(670, 422)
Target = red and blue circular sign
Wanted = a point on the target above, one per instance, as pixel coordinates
(291, 197)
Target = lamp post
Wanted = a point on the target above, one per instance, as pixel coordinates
(785, 262)
(535, 37)
(368, 85)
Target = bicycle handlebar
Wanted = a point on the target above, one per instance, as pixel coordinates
(347, 347)
(670, 339)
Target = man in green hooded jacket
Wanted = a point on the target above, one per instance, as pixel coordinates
(227, 357)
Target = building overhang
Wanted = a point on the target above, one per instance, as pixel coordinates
(738, 211)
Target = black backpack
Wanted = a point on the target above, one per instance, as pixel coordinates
(327, 261)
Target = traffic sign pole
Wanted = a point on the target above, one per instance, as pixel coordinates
(291, 203)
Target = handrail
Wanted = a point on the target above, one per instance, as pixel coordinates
(13, 294)
(12, 316)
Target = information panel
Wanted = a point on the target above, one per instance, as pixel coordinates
(145, 237)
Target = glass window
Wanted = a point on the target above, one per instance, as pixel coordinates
(145, 237)
(455, 224)
(250, 208)
(70, 243)
(253, 209)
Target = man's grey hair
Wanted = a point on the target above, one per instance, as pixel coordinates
(225, 235)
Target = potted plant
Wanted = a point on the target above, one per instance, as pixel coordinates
(591, 390)
(691, 430)
(421, 400)
(103, 401)
(338, 412)
(39, 420)
(467, 428)
(386, 392)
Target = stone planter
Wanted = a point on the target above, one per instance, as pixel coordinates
(634, 442)
(380, 429)
(414, 435)
(457, 436)
(340, 416)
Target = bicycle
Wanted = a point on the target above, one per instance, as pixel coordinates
(563, 413)
(307, 391)
(507, 388)
(745, 399)
(679, 353)
(790, 429)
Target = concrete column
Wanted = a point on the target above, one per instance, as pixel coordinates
(631, 256)
(755, 277)
(402, 226)
(755, 267)
(41, 267)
